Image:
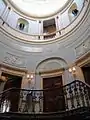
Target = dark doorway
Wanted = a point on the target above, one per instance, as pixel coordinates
(53, 94)
(49, 26)
(12, 95)
(86, 73)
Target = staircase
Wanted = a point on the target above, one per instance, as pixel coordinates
(22, 104)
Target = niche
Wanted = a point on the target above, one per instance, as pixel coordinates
(22, 25)
(73, 12)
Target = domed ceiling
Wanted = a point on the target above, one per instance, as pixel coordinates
(39, 8)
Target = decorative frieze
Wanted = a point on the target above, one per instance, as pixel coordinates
(14, 60)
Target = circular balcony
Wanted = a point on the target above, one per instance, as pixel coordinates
(72, 96)
(43, 30)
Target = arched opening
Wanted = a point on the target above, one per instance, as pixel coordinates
(51, 71)
(73, 12)
(22, 25)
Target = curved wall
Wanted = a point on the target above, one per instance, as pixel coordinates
(25, 55)
(65, 21)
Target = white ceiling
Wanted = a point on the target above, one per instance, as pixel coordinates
(39, 8)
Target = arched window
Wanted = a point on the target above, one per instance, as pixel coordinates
(22, 25)
(73, 11)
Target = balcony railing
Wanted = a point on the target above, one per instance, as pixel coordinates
(26, 36)
(72, 96)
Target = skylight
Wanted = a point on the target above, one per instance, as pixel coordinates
(39, 8)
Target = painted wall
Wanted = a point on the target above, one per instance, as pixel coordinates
(23, 55)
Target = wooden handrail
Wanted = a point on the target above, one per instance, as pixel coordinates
(48, 89)
(86, 84)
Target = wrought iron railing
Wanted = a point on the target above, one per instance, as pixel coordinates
(69, 97)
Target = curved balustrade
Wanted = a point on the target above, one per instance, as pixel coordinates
(24, 35)
(69, 97)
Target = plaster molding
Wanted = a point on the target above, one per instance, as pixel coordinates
(27, 16)
(51, 72)
(12, 70)
(14, 60)
(83, 48)
(66, 32)
(83, 60)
